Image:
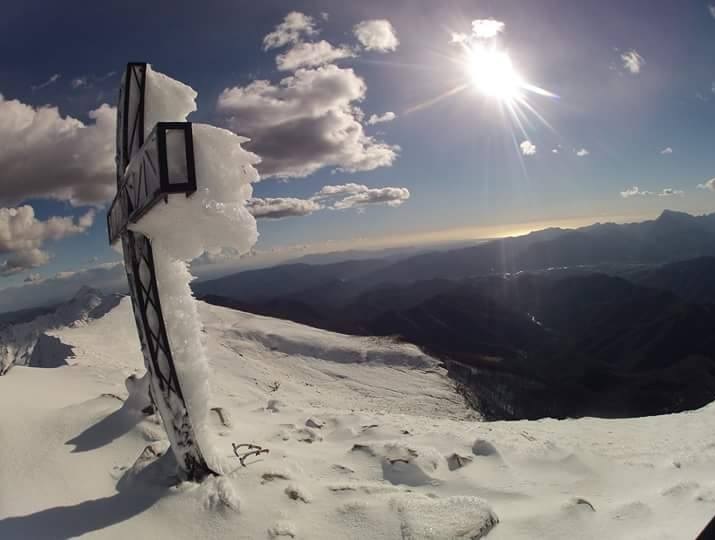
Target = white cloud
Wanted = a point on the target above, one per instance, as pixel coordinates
(387, 117)
(635, 191)
(582, 152)
(632, 61)
(307, 121)
(218, 256)
(311, 54)
(23, 260)
(527, 148)
(376, 35)
(667, 150)
(669, 192)
(353, 195)
(482, 29)
(554, 150)
(334, 197)
(53, 79)
(295, 25)
(22, 236)
(710, 184)
(281, 207)
(21, 230)
(711, 9)
(78, 82)
(43, 154)
(486, 28)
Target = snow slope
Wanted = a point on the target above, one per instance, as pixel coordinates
(367, 439)
(18, 342)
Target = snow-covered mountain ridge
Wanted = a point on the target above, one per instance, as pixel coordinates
(31, 343)
(367, 439)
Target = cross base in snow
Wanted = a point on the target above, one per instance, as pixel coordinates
(147, 172)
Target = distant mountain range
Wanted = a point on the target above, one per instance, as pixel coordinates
(607, 320)
(609, 247)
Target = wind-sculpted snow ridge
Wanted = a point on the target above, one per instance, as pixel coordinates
(358, 449)
(18, 342)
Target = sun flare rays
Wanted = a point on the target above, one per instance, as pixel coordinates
(487, 68)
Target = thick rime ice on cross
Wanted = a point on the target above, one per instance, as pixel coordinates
(214, 217)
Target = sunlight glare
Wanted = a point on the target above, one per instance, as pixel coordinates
(493, 74)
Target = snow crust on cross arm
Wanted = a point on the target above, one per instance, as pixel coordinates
(213, 217)
(166, 100)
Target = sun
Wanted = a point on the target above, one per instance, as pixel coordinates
(493, 74)
(487, 68)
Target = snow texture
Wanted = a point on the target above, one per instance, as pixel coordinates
(18, 343)
(166, 100)
(80, 462)
(214, 217)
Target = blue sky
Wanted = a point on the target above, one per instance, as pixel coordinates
(459, 158)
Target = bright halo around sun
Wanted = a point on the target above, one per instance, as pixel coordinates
(487, 68)
(492, 73)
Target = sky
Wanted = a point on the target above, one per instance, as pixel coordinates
(378, 123)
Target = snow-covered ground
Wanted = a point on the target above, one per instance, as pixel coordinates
(367, 439)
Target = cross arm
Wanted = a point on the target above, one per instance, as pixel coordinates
(164, 164)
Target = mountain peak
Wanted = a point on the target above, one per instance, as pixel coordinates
(673, 214)
(85, 290)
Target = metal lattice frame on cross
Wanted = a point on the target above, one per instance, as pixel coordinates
(146, 175)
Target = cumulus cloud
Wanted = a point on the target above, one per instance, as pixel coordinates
(669, 192)
(43, 154)
(53, 79)
(376, 35)
(635, 191)
(350, 195)
(527, 148)
(582, 152)
(295, 25)
(310, 119)
(333, 197)
(667, 150)
(217, 256)
(31, 278)
(281, 207)
(710, 184)
(632, 61)
(23, 260)
(378, 119)
(486, 28)
(307, 121)
(311, 55)
(482, 29)
(22, 236)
